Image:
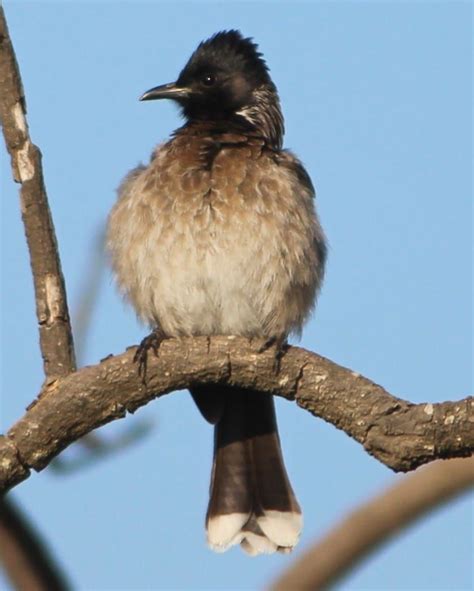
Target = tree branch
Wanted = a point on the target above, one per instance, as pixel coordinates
(56, 341)
(25, 558)
(399, 434)
(375, 522)
(24, 555)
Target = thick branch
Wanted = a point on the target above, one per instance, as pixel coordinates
(376, 522)
(51, 304)
(400, 434)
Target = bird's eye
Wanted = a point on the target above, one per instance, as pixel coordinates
(208, 79)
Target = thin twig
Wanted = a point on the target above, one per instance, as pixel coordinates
(94, 270)
(376, 522)
(94, 447)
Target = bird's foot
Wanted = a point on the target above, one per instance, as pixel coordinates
(281, 346)
(152, 341)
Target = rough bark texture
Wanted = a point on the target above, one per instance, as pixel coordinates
(50, 294)
(399, 434)
(374, 523)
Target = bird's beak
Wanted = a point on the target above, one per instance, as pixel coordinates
(166, 91)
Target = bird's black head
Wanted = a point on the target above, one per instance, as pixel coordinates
(226, 80)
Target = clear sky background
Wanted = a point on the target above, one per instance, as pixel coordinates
(377, 98)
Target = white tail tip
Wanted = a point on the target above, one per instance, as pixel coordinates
(224, 531)
(253, 544)
(283, 528)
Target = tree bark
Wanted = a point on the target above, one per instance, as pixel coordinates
(54, 326)
(400, 434)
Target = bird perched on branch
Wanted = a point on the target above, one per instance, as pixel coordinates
(218, 235)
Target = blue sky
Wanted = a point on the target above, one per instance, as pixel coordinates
(377, 99)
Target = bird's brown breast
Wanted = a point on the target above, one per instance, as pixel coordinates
(217, 236)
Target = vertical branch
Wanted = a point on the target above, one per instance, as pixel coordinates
(56, 341)
(23, 555)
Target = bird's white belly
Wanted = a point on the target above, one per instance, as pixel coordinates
(209, 280)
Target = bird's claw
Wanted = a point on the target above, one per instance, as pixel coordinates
(281, 346)
(153, 342)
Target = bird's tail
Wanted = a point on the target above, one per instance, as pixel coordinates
(251, 499)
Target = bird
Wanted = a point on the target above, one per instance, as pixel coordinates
(218, 234)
